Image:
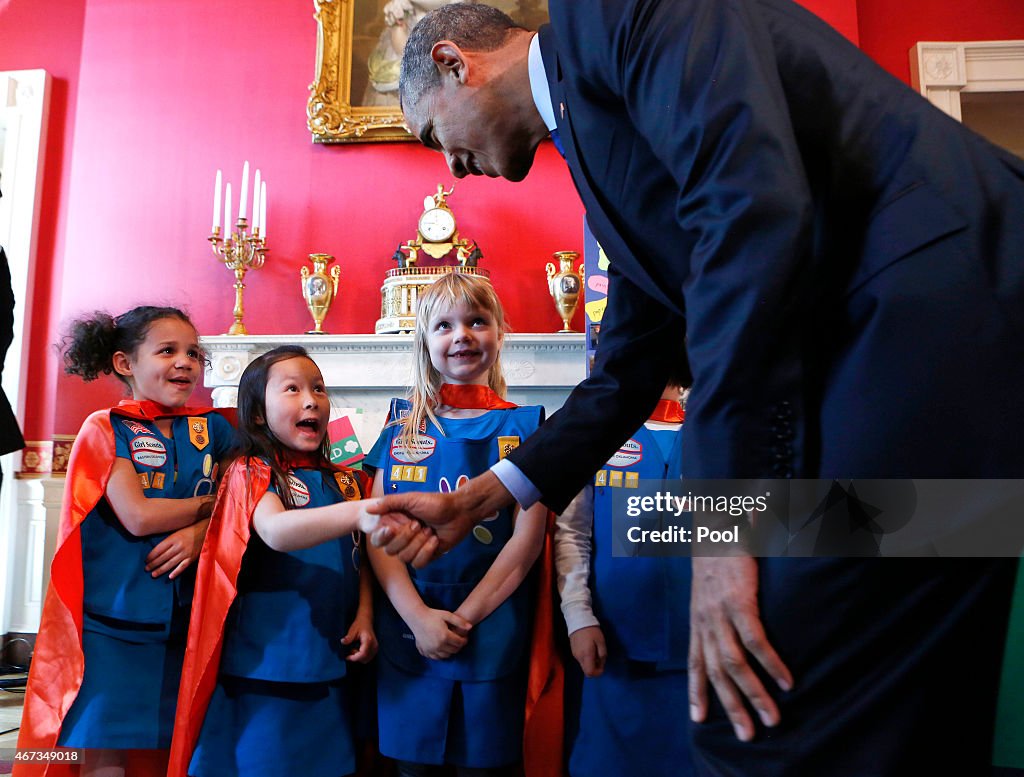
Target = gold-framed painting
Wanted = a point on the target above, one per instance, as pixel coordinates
(354, 97)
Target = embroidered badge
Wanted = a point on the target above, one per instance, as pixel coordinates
(207, 465)
(483, 534)
(198, 432)
(601, 478)
(632, 480)
(144, 479)
(615, 479)
(148, 452)
(506, 445)
(300, 491)
(632, 452)
(158, 480)
(348, 485)
(135, 427)
(410, 474)
(421, 447)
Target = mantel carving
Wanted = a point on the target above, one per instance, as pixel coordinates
(941, 71)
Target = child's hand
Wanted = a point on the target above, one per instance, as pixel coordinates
(589, 650)
(177, 551)
(440, 634)
(368, 523)
(361, 634)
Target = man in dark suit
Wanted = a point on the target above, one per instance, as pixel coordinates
(847, 266)
(10, 434)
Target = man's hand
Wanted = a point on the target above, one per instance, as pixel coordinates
(451, 517)
(588, 648)
(725, 628)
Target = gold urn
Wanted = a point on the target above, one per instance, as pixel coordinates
(319, 288)
(565, 286)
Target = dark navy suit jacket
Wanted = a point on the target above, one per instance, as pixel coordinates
(846, 264)
(10, 434)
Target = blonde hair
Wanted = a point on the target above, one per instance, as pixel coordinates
(447, 292)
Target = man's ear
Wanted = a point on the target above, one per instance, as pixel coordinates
(450, 60)
(122, 366)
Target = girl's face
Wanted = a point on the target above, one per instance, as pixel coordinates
(463, 343)
(297, 404)
(165, 367)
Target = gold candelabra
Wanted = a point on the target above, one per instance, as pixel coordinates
(240, 252)
(241, 249)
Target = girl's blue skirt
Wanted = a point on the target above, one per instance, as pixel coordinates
(260, 728)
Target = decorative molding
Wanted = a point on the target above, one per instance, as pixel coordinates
(942, 71)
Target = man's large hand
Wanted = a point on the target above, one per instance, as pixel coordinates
(725, 628)
(450, 517)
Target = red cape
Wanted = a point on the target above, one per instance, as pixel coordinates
(57, 661)
(220, 562)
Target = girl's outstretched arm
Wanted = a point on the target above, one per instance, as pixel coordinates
(287, 530)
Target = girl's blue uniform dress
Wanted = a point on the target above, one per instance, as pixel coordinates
(281, 704)
(466, 710)
(634, 717)
(134, 625)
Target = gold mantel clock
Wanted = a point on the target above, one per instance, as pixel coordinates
(437, 235)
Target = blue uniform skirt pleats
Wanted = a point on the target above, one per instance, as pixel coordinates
(432, 720)
(254, 728)
(634, 719)
(128, 696)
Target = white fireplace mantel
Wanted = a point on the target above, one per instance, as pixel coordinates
(365, 371)
(943, 71)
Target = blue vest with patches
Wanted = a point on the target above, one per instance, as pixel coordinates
(293, 608)
(641, 603)
(442, 463)
(117, 587)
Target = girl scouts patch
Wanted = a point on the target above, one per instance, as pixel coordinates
(506, 445)
(347, 484)
(629, 454)
(198, 432)
(300, 492)
(148, 452)
(422, 446)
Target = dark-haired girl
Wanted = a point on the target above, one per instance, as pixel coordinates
(139, 491)
(283, 602)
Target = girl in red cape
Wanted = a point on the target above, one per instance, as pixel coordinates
(283, 603)
(140, 486)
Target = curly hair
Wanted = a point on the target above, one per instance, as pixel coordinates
(89, 346)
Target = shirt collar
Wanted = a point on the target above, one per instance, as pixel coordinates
(539, 85)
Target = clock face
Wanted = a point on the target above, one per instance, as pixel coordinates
(437, 225)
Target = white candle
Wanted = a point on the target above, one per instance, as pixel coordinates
(216, 202)
(227, 211)
(256, 202)
(263, 209)
(243, 198)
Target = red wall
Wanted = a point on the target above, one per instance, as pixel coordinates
(171, 91)
(151, 98)
(889, 29)
(49, 36)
